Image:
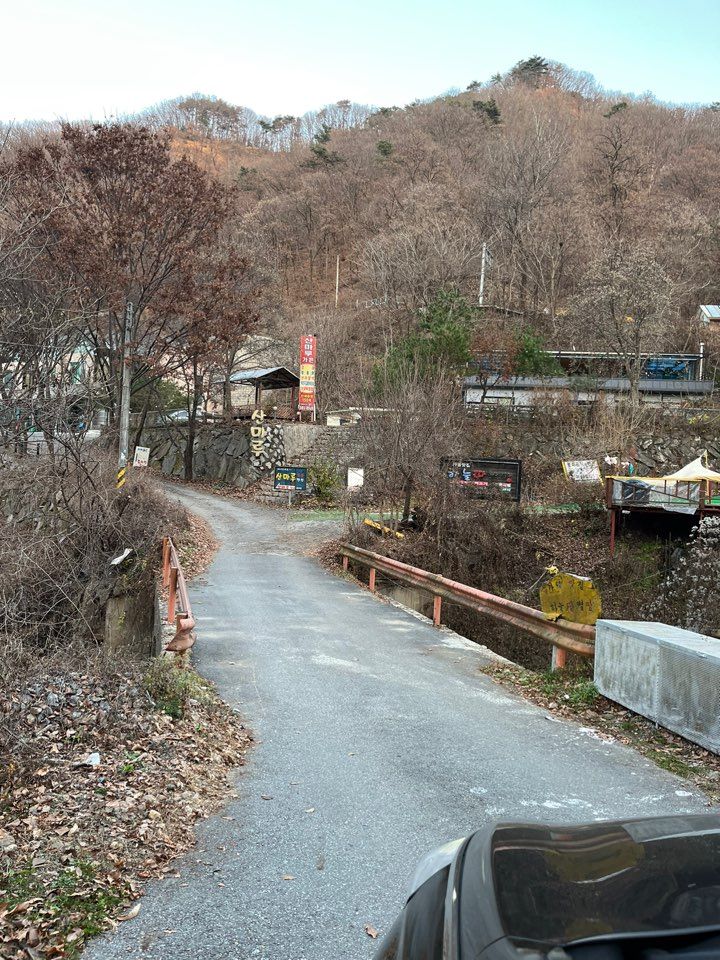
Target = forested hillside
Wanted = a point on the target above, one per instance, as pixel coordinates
(543, 166)
(592, 206)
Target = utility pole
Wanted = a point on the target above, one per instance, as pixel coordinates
(337, 280)
(481, 295)
(125, 398)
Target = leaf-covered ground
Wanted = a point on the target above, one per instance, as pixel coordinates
(104, 772)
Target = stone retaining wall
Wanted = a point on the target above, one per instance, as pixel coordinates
(222, 452)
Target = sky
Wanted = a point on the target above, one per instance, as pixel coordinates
(75, 59)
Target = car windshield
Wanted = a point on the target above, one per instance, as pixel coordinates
(574, 884)
(561, 885)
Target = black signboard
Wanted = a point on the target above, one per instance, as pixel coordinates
(290, 478)
(496, 479)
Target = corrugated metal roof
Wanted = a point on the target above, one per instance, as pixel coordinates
(266, 374)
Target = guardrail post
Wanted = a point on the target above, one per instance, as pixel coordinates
(559, 659)
(371, 582)
(437, 610)
(346, 562)
(165, 561)
(172, 590)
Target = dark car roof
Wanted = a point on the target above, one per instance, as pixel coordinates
(540, 885)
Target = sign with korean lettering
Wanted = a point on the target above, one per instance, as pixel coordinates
(258, 433)
(142, 456)
(290, 478)
(489, 479)
(570, 597)
(308, 358)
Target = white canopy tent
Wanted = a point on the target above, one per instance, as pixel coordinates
(678, 492)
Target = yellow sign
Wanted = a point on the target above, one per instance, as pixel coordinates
(388, 531)
(570, 597)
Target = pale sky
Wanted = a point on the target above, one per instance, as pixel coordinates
(73, 59)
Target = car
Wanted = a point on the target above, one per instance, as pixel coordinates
(176, 416)
(646, 888)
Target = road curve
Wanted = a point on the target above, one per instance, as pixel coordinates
(378, 740)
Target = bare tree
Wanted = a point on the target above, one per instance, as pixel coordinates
(415, 429)
(626, 305)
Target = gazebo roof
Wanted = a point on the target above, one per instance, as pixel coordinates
(269, 378)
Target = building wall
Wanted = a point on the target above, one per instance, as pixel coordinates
(524, 397)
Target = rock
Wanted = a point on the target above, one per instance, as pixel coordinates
(91, 760)
(7, 842)
(52, 700)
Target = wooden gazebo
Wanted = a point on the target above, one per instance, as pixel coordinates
(269, 378)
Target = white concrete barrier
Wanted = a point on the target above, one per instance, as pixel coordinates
(664, 673)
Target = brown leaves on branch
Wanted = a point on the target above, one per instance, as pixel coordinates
(114, 219)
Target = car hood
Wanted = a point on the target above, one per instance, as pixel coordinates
(540, 885)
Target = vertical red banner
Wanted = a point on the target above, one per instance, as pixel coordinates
(308, 356)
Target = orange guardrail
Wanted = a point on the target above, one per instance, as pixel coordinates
(179, 610)
(562, 634)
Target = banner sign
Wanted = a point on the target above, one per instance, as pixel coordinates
(498, 479)
(290, 478)
(308, 357)
(582, 471)
(142, 456)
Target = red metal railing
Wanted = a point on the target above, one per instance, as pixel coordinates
(179, 610)
(562, 634)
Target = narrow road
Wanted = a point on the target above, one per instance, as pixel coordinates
(378, 740)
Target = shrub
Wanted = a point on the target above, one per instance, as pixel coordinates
(325, 481)
(172, 687)
(688, 596)
(61, 522)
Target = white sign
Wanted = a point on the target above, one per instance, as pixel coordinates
(356, 477)
(142, 456)
(582, 471)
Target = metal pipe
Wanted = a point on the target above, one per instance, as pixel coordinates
(574, 637)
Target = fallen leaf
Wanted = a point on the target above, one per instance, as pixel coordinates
(310, 810)
(131, 914)
(371, 931)
(288, 876)
(265, 796)
(7, 841)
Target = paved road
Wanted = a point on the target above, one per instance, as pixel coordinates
(378, 740)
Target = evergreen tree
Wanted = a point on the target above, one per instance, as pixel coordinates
(442, 340)
(533, 72)
(488, 109)
(532, 360)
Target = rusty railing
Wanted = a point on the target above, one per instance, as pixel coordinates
(563, 635)
(179, 611)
